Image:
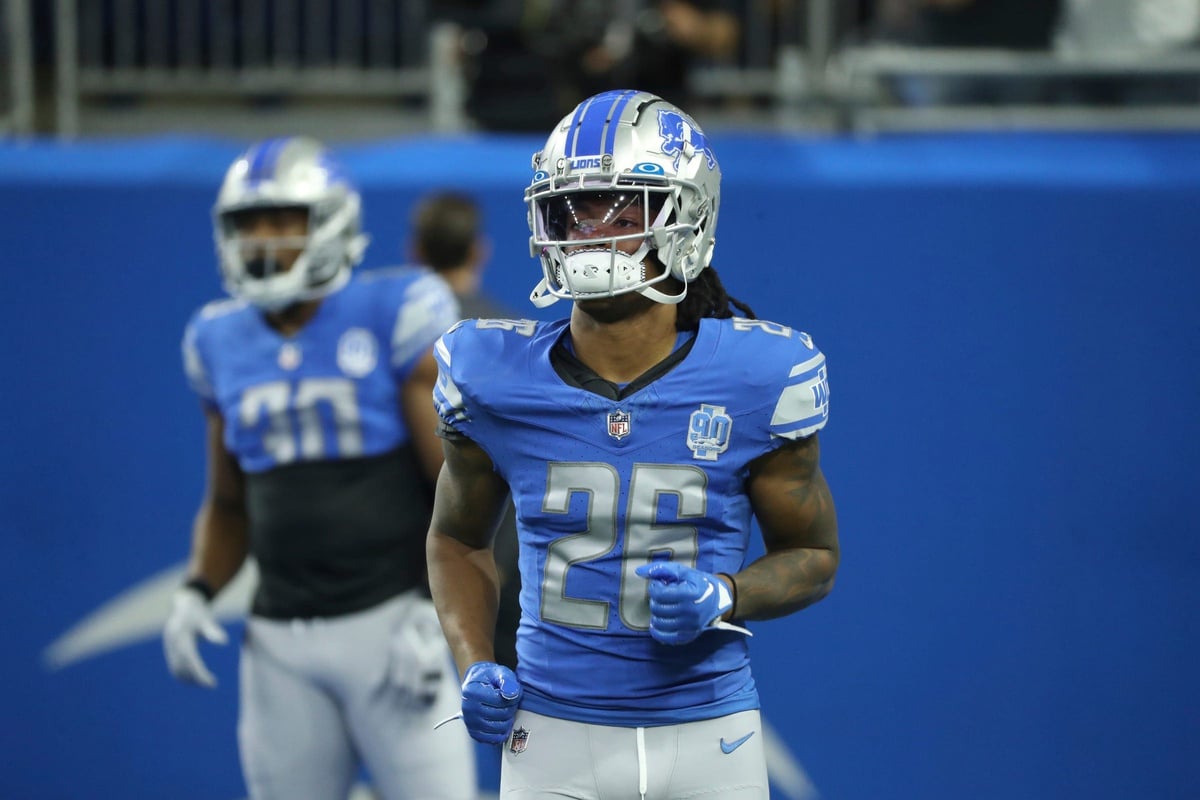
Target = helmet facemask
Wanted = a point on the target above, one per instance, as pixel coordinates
(584, 239)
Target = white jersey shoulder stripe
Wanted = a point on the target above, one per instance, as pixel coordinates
(803, 405)
(449, 400)
(219, 308)
(446, 395)
(801, 429)
(443, 352)
(427, 311)
(193, 366)
(807, 366)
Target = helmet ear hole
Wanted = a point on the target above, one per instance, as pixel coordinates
(693, 206)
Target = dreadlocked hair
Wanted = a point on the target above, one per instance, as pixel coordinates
(706, 297)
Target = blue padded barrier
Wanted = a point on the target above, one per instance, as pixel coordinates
(1014, 351)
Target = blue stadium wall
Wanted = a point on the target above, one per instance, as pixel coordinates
(1012, 331)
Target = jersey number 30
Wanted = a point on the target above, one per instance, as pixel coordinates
(645, 535)
(279, 403)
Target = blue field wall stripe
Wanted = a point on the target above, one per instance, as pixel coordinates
(610, 131)
(263, 162)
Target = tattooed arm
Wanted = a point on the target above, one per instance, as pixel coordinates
(462, 568)
(799, 525)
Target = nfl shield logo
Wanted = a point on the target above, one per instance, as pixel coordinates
(618, 424)
(520, 738)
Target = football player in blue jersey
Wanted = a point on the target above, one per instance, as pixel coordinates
(315, 384)
(638, 439)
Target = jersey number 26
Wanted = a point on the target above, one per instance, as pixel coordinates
(645, 536)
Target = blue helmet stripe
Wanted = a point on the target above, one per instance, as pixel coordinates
(592, 132)
(576, 121)
(262, 162)
(610, 132)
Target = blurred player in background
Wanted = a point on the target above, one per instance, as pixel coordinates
(448, 238)
(315, 383)
(638, 438)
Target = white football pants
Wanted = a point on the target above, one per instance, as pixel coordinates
(317, 700)
(714, 758)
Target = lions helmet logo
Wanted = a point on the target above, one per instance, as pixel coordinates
(678, 133)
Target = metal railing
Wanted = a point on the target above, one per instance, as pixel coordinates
(859, 77)
(815, 80)
(16, 65)
(786, 49)
(297, 50)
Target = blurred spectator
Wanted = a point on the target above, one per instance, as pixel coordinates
(1139, 29)
(506, 70)
(656, 51)
(535, 59)
(448, 238)
(1007, 24)
(1120, 26)
(999, 24)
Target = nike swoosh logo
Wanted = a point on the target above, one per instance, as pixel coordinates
(729, 747)
(707, 591)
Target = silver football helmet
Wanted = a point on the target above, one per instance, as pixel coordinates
(618, 153)
(294, 172)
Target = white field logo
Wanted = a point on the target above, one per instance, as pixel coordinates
(138, 614)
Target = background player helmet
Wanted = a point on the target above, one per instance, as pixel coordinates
(293, 172)
(633, 146)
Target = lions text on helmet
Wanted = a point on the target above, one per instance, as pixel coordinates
(287, 224)
(625, 177)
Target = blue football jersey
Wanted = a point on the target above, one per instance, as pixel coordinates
(331, 390)
(604, 486)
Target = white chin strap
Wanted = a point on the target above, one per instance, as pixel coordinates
(663, 297)
(598, 273)
(541, 296)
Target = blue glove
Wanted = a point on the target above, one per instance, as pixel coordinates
(685, 602)
(490, 695)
